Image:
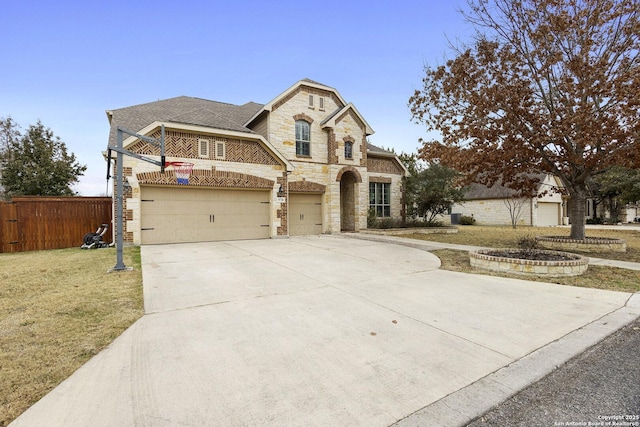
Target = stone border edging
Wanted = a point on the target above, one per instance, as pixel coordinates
(589, 244)
(573, 267)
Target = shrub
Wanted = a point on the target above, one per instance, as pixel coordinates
(467, 220)
(371, 218)
(527, 241)
(385, 223)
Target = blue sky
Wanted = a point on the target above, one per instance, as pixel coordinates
(67, 62)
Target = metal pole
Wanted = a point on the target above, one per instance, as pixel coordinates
(288, 202)
(162, 158)
(119, 206)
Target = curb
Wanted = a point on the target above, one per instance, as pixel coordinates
(472, 401)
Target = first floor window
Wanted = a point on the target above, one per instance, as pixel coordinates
(303, 138)
(380, 198)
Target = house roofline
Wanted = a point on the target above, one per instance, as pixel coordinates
(269, 105)
(331, 122)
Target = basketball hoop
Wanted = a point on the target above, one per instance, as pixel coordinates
(182, 171)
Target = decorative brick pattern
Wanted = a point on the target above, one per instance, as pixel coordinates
(205, 178)
(281, 213)
(332, 147)
(306, 187)
(185, 145)
(384, 165)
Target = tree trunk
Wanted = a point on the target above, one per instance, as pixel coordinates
(577, 211)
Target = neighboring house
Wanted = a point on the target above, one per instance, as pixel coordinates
(298, 165)
(599, 210)
(488, 205)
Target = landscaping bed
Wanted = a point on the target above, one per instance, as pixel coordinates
(529, 262)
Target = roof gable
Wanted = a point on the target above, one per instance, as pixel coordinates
(269, 106)
(337, 115)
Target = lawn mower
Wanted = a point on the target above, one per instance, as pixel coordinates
(95, 240)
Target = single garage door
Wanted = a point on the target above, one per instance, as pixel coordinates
(548, 214)
(305, 214)
(180, 215)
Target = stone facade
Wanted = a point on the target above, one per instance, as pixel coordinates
(260, 153)
(493, 209)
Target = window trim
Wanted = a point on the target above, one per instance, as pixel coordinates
(203, 143)
(220, 146)
(350, 145)
(301, 143)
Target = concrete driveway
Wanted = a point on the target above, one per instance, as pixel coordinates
(320, 331)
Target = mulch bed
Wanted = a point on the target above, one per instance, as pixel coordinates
(533, 255)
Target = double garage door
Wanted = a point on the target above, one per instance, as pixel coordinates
(181, 215)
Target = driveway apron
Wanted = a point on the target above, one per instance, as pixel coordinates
(311, 331)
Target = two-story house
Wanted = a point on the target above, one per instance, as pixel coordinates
(298, 165)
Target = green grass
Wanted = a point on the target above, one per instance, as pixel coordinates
(58, 309)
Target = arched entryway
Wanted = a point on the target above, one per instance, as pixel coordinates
(349, 178)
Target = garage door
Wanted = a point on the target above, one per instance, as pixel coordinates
(305, 214)
(180, 215)
(548, 214)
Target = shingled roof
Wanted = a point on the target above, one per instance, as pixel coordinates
(477, 191)
(184, 110)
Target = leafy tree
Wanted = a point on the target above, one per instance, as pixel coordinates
(615, 188)
(430, 189)
(547, 86)
(38, 164)
(8, 134)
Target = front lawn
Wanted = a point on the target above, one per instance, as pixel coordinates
(598, 277)
(59, 308)
(504, 237)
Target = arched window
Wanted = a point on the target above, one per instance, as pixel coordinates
(303, 138)
(348, 150)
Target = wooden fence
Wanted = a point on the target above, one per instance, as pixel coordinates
(38, 223)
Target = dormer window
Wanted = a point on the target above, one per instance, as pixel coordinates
(303, 138)
(348, 150)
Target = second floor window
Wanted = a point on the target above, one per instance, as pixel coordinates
(348, 150)
(303, 138)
